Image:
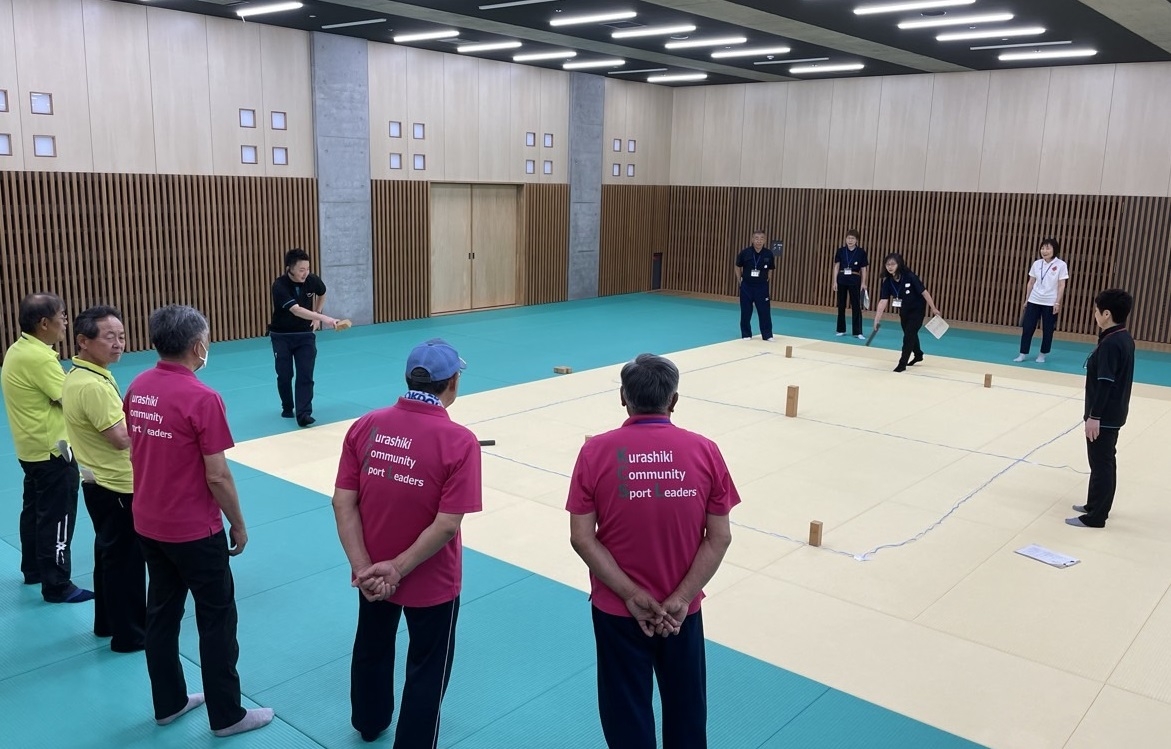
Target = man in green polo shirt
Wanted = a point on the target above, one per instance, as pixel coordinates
(97, 432)
(31, 379)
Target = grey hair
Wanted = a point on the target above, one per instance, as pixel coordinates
(175, 328)
(648, 382)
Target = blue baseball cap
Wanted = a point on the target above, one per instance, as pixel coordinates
(437, 358)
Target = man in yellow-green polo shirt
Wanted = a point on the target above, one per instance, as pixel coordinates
(31, 379)
(97, 432)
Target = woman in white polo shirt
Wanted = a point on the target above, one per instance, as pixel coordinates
(1047, 280)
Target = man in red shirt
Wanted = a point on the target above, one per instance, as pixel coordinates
(182, 489)
(649, 506)
(406, 477)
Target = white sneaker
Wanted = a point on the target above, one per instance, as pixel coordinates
(861, 337)
(1040, 358)
(842, 333)
(1019, 357)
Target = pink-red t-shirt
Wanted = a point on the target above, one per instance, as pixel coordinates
(652, 486)
(174, 420)
(409, 462)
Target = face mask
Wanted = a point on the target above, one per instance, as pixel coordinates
(204, 358)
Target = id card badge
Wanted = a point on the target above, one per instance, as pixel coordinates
(847, 272)
(755, 273)
(896, 303)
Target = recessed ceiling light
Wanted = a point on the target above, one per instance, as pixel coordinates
(620, 15)
(630, 72)
(1021, 44)
(864, 10)
(1052, 54)
(560, 54)
(842, 68)
(710, 42)
(353, 23)
(513, 4)
(956, 21)
(959, 36)
(486, 47)
(676, 77)
(608, 63)
(262, 9)
(755, 52)
(424, 36)
(790, 62)
(653, 31)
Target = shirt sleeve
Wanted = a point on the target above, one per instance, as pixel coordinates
(211, 425)
(49, 377)
(916, 284)
(463, 491)
(1109, 370)
(581, 499)
(100, 404)
(1063, 272)
(863, 263)
(349, 466)
(1036, 270)
(281, 298)
(317, 286)
(740, 259)
(723, 496)
(888, 290)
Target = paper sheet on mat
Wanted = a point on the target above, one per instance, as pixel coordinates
(936, 326)
(1041, 554)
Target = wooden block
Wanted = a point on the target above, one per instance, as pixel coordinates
(589, 437)
(987, 380)
(788, 352)
(791, 401)
(562, 370)
(815, 533)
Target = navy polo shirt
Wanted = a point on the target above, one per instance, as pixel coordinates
(855, 260)
(1109, 376)
(908, 287)
(286, 293)
(749, 259)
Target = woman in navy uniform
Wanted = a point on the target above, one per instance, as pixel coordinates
(752, 267)
(849, 279)
(907, 294)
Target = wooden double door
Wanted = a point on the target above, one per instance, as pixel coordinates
(473, 246)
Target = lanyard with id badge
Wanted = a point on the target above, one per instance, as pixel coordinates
(897, 302)
(755, 272)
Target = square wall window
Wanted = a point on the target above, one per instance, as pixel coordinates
(530, 139)
(3, 100)
(44, 145)
(396, 161)
(630, 170)
(247, 118)
(279, 120)
(420, 162)
(630, 146)
(280, 156)
(396, 129)
(41, 103)
(248, 155)
(548, 140)
(615, 170)
(530, 166)
(617, 145)
(5, 144)
(548, 167)
(419, 131)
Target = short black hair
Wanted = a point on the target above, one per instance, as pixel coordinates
(175, 328)
(854, 233)
(1052, 243)
(419, 380)
(1117, 302)
(294, 256)
(37, 307)
(86, 324)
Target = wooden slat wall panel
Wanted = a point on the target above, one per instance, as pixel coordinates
(973, 250)
(401, 213)
(544, 259)
(141, 241)
(634, 227)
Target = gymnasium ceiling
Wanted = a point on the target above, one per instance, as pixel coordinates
(817, 33)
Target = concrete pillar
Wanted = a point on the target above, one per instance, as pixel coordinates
(587, 101)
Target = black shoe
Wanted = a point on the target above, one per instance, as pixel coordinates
(915, 360)
(134, 647)
(304, 421)
(77, 595)
(287, 414)
(901, 367)
(370, 736)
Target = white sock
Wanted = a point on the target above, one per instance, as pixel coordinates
(193, 701)
(1019, 357)
(1041, 359)
(257, 717)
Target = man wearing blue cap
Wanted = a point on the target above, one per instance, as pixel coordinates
(407, 476)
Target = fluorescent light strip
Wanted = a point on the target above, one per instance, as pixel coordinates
(711, 42)
(594, 18)
(561, 54)
(790, 62)
(629, 72)
(1053, 55)
(262, 9)
(845, 67)
(757, 52)
(425, 36)
(676, 77)
(653, 31)
(956, 21)
(1022, 44)
(486, 47)
(513, 4)
(354, 23)
(609, 63)
(865, 10)
(959, 36)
